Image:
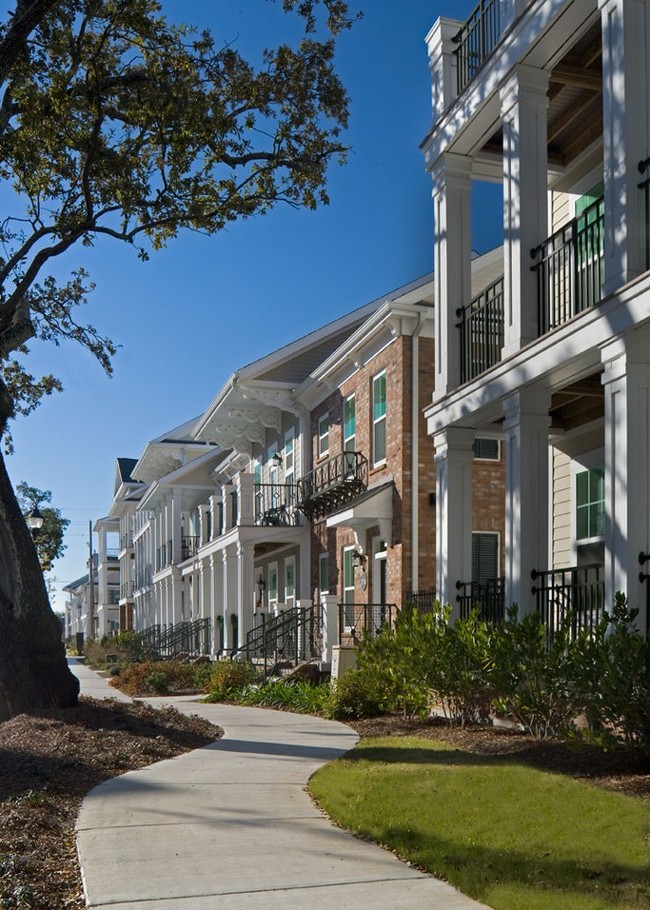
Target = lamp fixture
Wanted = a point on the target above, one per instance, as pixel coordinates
(358, 559)
(261, 585)
(34, 520)
(277, 459)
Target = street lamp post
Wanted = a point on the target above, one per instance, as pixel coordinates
(34, 521)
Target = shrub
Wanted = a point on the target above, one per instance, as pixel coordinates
(537, 681)
(290, 694)
(354, 695)
(227, 678)
(155, 678)
(615, 671)
(459, 668)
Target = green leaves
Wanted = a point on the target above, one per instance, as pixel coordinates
(114, 122)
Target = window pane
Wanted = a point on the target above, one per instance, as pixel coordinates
(379, 396)
(486, 448)
(348, 569)
(379, 447)
(582, 488)
(485, 553)
(349, 418)
(289, 580)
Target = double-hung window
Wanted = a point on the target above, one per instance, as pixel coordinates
(323, 434)
(379, 418)
(349, 433)
(590, 504)
(324, 573)
(348, 587)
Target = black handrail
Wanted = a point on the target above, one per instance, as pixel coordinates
(577, 592)
(481, 331)
(275, 504)
(332, 483)
(488, 597)
(290, 637)
(569, 266)
(357, 621)
(476, 40)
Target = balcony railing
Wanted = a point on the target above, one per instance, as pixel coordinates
(488, 597)
(126, 590)
(481, 332)
(577, 592)
(569, 268)
(476, 40)
(332, 483)
(423, 600)
(164, 555)
(275, 504)
(358, 621)
(189, 546)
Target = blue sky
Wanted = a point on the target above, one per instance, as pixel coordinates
(205, 306)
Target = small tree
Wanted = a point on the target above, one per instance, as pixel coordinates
(49, 541)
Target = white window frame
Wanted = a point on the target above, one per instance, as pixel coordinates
(289, 457)
(290, 599)
(377, 421)
(272, 599)
(321, 558)
(482, 457)
(579, 463)
(323, 450)
(348, 590)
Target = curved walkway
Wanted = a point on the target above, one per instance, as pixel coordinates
(230, 827)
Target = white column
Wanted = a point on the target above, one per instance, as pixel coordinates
(216, 600)
(454, 455)
(527, 456)
(627, 469)
(228, 511)
(626, 119)
(175, 530)
(304, 589)
(245, 588)
(175, 583)
(244, 486)
(442, 65)
(524, 104)
(452, 271)
(229, 557)
(329, 625)
(102, 573)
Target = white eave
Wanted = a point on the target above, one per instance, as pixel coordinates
(374, 507)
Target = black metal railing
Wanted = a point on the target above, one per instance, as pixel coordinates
(488, 597)
(476, 40)
(189, 546)
(275, 504)
(577, 592)
(358, 621)
(569, 267)
(112, 552)
(332, 483)
(423, 600)
(481, 332)
(644, 559)
(290, 638)
(189, 639)
(644, 167)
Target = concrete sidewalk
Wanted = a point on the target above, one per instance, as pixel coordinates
(230, 827)
(93, 684)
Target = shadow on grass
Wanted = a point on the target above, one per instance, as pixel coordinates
(478, 870)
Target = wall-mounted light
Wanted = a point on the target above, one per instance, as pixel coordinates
(261, 588)
(358, 559)
(277, 459)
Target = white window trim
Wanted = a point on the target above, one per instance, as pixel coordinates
(272, 567)
(321, 557)
(377, 462)
(345, 550)
(499, 450)
(290, 600)
(354, 435)
(579, 463)
(289, 473)
(323, 452)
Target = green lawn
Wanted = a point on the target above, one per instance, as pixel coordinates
(511, 836)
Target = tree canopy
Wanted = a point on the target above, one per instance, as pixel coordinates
(49, 541)
(114, 122)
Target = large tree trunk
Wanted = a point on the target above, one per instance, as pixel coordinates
(33, 668)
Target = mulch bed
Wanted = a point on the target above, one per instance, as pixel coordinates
(48, 761)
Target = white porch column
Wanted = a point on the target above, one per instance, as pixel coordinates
(304, 588)
(524, 104)
(454, 455)
(626, 115)
(228, 510)
(175, 531)
(229, 558)
(216, 600)
(205, 581)
(175, 583)
(329, 610)
(527, 452)
(627, 469)
(442, 65)
(452, 264)
(245, 588)
(244, 486)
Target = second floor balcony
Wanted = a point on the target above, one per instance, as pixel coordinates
(332, 483)
(570, 269)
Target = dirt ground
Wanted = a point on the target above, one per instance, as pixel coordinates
(50, 760)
